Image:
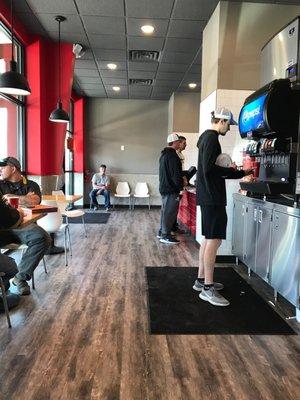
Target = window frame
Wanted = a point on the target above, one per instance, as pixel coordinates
(20, 101)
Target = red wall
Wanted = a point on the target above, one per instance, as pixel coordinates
(79, 144)
(45, 139)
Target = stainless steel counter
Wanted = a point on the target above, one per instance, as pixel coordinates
(266, 237)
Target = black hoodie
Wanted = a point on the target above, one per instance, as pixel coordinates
(211, 189)
(9, 216)
(170, 172)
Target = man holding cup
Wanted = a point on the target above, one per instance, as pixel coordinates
(14, 185)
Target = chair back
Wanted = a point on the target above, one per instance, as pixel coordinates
(52, 221)
(141, 189)
(61, 204)
(57, 193)
(122, 188)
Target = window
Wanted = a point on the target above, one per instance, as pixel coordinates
(11, 107)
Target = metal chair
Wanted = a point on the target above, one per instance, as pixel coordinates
(122, 191)
(62, 205)
(141, 191)
(4, 299)
(52, 223)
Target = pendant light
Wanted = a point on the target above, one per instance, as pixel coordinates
(12, 82)
(59, 115)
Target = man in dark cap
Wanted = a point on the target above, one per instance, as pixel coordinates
(13, 183)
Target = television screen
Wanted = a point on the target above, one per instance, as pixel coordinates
(251, 116)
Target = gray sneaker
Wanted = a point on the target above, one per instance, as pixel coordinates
(198, 286)
(22, 286)
(213, 297)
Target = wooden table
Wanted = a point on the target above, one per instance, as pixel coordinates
(67, 198)
(30, 219)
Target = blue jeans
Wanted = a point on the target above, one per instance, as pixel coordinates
(37, 241)
(103, 192)
(9, 267)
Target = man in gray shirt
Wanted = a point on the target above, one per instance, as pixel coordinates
(101, 186)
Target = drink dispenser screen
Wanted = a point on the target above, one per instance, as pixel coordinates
(252, 116)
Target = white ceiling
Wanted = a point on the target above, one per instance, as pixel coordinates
(109, 29)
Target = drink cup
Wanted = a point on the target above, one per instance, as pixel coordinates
(255, 167)
(14, 201)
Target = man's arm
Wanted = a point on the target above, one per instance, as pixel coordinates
(9, 216)
(175, 169)
(209, 158)
(94, 185)
(31, 199)
(107, 184)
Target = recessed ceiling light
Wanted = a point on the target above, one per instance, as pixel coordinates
(192, 85)
(112, 66)
(148, 29)
(116, 88)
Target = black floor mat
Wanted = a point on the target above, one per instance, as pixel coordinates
(175, 308)
(91, 218)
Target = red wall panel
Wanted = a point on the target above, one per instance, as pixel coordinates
(79, 145)
(45, 139)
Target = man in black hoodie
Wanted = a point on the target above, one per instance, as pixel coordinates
(170, 185)
(9, 217)
(211, 196)
(33, 236)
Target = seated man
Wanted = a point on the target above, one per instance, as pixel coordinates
(101, 185)
(13, 183)
(8, 217)
(37, 240)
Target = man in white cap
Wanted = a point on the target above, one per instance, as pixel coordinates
(211, 196)
(170, 185)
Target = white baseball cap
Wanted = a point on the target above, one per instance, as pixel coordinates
(224, 113)
(173, 137)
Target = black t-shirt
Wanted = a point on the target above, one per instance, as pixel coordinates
(21, 188)
(211, 190)
(9, 216)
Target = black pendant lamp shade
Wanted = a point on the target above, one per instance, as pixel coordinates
(59, 115)
(12, 82)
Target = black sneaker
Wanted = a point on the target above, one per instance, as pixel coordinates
(159, 235)
(169, 240)
(12, 301)
(96, 208)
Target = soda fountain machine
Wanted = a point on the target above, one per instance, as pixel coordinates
(269, 119)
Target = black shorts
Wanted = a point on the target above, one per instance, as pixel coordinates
(214, 222)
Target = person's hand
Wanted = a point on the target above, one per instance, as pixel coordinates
(7, 196)
(233, 165)
(248, 171)
(21, 213)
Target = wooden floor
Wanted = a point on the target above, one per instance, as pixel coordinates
(83, 334)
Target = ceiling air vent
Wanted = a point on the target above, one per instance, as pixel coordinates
(143, 55)
(144, 82)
